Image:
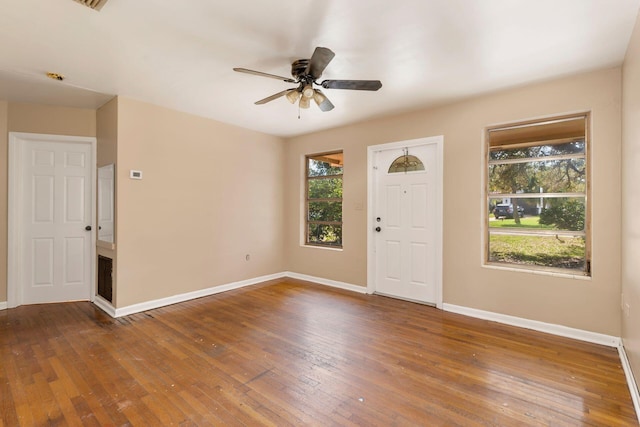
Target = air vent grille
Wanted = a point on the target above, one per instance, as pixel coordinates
(93, 4)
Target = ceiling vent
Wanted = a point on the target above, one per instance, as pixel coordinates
(93, 4)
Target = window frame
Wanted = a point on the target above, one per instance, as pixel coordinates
(307, 200)
(488, 196)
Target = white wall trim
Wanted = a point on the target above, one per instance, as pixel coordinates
(563, 331)
(631, 382)
(327, 282)
(162, 302)
(3, 305)
(150, 305)
(104, 305)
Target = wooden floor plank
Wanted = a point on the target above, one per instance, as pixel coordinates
(292, 353)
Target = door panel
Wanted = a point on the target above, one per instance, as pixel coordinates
(418, 208)
(43, 262)
(74, 261)
(392, 206)
(394, 258)
(43, 199)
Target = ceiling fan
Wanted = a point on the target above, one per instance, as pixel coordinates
(306, 73)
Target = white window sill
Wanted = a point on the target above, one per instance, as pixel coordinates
(325, 248)
(538, 272)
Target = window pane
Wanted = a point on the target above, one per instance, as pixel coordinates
(575, 147)
(325, 188)
(545, 251)
(544, 213)
(330, 235)
(552, 176)
(324, 199)
(325, 211)
(564, 213)
(406, 163)
(318, 167)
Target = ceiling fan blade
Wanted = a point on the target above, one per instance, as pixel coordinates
(319, 61)
(272, 97)
(260, 73)
(352, 84)
(324, 104)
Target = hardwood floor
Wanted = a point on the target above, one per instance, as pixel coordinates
(291, 353)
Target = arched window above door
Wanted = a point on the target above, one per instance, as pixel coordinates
(406, 163)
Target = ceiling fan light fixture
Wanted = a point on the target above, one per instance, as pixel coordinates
(292, 96)
(306, 73)
(308, 91)
(318, 97)
(305, 102)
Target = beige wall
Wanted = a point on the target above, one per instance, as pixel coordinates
(631, 201)
(32, 118)
(592, 305)
(107, 132)
(210, 194)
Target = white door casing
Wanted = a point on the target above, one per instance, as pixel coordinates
(405, 256)
(51, 201)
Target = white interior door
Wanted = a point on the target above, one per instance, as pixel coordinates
(407, 223)
(54, 243)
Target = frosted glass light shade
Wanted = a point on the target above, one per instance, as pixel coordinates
(304, 102)
(293, 96)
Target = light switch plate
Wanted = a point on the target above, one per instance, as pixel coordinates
(135, 174)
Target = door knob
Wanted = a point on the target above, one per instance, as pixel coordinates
(378, 229)
(88, 228)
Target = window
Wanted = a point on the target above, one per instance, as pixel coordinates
(324, 199)
(538, 194)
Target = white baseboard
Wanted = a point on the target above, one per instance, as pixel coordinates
(150, 305)
(105, 306)
(631, 382)
(327, 282)
(563, 331)
(3, 305)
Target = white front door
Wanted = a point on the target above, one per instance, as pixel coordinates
(53, 246)
(407, 222)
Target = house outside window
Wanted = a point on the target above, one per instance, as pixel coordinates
(323, 205)
(538, 195)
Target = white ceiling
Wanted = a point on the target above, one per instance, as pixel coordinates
(180, 54)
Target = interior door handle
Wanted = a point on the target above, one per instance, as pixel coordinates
(88, 228)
